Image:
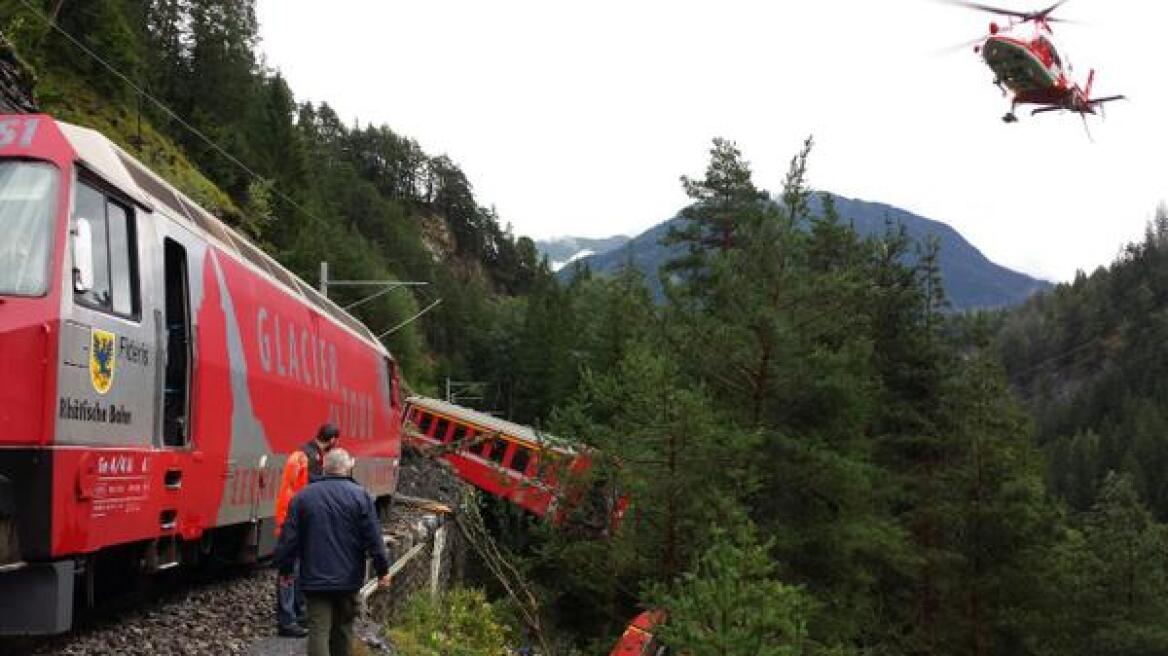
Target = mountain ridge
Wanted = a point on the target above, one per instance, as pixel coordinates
(972, 281)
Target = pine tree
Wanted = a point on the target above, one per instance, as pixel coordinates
(731, 603)
(722, 199)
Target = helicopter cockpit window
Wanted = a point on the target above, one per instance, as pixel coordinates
(1049, 47)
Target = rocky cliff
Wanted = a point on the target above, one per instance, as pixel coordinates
(16, 82)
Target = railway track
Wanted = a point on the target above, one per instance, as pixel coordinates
(224, 612)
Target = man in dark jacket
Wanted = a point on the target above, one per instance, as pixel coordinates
(302, 467)
(331, 527)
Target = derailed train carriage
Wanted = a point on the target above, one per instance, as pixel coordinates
(550, 477)
(157, 370)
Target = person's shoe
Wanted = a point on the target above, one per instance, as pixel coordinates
(294, 631)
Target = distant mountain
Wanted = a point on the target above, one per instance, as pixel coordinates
(562, 250)
(971, 279)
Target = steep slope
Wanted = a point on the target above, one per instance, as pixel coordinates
(1089, 359)
(971, 279)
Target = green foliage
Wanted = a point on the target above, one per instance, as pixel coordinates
(809, 377)
(459, 623)
(1089, 360)
(1107, 580)
(731, 604)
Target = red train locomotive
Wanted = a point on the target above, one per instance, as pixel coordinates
(157, 368)
(534, 470)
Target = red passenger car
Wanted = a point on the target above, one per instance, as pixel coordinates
(638, 640)
(157, 369)
(538, 472)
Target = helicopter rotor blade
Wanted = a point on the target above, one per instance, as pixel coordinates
(987, 8)
(1044, 14)
(957, 47)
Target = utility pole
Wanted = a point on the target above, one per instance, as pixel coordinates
(459, 390)
(386, 287)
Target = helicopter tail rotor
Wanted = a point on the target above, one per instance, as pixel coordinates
(1106, 99)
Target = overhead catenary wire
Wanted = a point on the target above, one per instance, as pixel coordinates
(142, 93)
(167, 110)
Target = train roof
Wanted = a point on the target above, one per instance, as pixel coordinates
(493, 423)
(133, 178)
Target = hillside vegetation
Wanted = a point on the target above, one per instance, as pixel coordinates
(1090, 361)
(362, 198)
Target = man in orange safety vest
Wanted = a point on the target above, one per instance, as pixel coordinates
(303, 466)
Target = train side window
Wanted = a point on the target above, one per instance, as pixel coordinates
(520, 459)
(425, 421)
(459, 433)
(115, 253)
(498, 450)
(441, 430)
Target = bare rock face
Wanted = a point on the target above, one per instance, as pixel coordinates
(16, 82)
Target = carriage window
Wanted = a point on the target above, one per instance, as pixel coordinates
(114, 243)
(459, 433)
(425, 421)
(440, 431)
(519, 459)
(498, 450)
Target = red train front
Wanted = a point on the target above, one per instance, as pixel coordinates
(158, 368)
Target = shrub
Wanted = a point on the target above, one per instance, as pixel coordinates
(459, 623)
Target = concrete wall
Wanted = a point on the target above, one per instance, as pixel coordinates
(412, 526)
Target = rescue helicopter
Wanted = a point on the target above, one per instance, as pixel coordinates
(1030, 69)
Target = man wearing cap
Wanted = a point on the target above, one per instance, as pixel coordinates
(331, 527)
(303, 466)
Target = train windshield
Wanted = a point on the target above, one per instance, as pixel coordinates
(28, 198)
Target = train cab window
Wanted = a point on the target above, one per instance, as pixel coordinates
(520, 459)
(113, 241)
(459, 433)
(424, 420)
(28, 193)
(441, 430)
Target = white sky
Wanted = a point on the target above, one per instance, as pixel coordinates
(578, 117)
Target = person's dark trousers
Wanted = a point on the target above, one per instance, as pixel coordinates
(291, 607)
(330, 622)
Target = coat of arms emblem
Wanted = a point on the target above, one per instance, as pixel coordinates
(101, 360)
